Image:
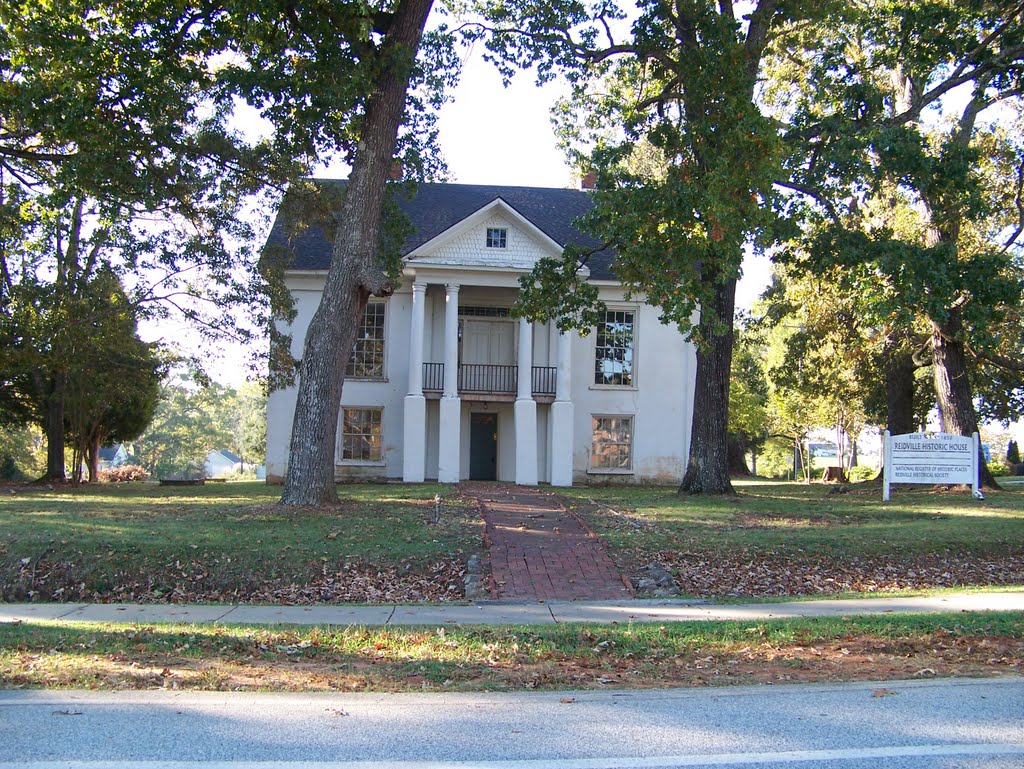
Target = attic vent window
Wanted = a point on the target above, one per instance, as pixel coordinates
(497, 237)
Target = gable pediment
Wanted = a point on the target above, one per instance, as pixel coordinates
(465, 244)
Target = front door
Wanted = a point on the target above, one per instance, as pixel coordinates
(483, 447)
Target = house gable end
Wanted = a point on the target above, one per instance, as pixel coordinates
(466, 243)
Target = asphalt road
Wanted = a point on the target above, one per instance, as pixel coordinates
(918, 724)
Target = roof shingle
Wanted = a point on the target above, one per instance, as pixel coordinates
(436, 207)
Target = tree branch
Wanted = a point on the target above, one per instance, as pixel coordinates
(996, 359)
(1019, 200)
(757, 34)
(823, 202)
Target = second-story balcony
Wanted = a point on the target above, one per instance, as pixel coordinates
(483, 379)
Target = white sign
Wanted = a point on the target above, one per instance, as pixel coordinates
(923, 458)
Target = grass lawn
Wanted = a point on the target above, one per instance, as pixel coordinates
(231, 542)
(214, 657)
(775, 538)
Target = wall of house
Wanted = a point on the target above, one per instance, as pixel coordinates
(660, 403)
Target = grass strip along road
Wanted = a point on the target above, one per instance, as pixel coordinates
(233, 658)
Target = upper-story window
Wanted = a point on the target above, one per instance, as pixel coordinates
(613, 358)
(497, 237)
(367, 359)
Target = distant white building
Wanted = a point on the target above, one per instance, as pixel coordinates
(221, 462)
(112, 456)
(444, 384)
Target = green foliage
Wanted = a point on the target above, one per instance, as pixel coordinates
(916, 193)
(192, 419)
(776, 459)
(1012, 453)
(860, 473)
(685, 160)
(188, 423)
(251, 428)
(21, 454)
(117, 153)
(113, 378)
(998, 468)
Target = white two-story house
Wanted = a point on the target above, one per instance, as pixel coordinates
(444, 384)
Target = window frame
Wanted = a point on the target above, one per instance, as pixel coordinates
(362, 339)
(594, 469)
(496, 237)
(339, 453)
(594, 384)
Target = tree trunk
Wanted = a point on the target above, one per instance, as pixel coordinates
(899, 392)
(92, 455)
(355, 272)
(737, 448)
(708, 468)
(53, 424)
(953, 388)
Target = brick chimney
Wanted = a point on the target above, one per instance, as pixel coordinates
(589, 181)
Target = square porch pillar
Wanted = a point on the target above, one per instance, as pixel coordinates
(450, 432)
(562, 416)
(414, 429)
(525, 410)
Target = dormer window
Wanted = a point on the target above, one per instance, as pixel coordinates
(497, 237)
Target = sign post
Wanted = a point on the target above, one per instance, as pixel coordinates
(930, 459)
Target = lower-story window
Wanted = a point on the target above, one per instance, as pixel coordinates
(360, 434)
(612, 447)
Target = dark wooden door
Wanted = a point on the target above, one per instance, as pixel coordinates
(483, 447)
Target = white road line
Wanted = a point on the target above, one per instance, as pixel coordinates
(654, 762)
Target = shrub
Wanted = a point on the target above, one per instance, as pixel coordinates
(1013, 454)
(9, 470)
(862, 473)
(123, 473)
(998, 468)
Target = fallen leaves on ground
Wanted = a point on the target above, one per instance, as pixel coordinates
(754, 574)
(265, 666)
(195, 581)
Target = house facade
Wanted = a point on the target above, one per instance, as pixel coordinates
(221, 462)
(114, 455)
(444, 384)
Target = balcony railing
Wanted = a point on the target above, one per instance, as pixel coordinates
(481, 378)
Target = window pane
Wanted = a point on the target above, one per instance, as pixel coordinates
(613, 359)
(497, 237)
(612, 446)
(360, 435)
(367, 359)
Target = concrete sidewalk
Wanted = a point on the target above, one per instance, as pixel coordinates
(504, 613)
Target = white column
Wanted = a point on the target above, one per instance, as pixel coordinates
(562, 415)
(525, 410)
(449, 435)
(414, 449)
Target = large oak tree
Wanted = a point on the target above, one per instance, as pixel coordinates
(681, 83)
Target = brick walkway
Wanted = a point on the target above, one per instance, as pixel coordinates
(540, 550)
